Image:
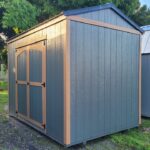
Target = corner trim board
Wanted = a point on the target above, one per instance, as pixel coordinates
(67, 85)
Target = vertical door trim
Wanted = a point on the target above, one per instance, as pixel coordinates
(44, 81)
(67, 84)
(16, 77)
(28, 87)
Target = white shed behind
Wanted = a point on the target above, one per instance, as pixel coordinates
(146, 39)
(146, 71)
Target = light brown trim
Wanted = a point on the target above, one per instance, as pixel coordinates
(20, 51)
(140, 78)
(35, 83)
(16, 86)
(28, 87)
(102, 24)
(31, 41)
(21, 82)
(30, 120)
(67, 85)
(45, 25)
(44, 81)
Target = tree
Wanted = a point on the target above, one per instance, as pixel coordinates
(3, 50)
(19, 15)
(45, 8)
(142, 16)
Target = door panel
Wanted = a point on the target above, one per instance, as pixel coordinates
(35, 65)
(22, 66)
(36, 103)
(22, 99)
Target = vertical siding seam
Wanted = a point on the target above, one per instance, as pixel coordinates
(121, 78)
(110, 75)
(84, 79)
(76, 80)
(91, 100)
(132, 81)
(104, 79)
(140, 76)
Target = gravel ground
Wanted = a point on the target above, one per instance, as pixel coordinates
(14, 135)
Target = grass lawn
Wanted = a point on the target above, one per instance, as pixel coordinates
(138, 138)
(3, 85)
(3, 101)
(134, 139)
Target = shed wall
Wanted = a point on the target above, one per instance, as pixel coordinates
(146, 85)
(54, 81)
(108, 16)
(104, 81)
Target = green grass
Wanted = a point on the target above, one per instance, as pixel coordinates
(138, 138)
(3, 101)
(3, 85)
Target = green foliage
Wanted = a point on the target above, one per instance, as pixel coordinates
(3, 51)
(19, 15)
(129, 7)
(3, 85)
(45, 9)
(142, 16)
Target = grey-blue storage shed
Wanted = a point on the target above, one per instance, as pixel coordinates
(76, 77)
(146, 71)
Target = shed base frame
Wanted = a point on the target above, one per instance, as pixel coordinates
(39, 130)
(42, 131)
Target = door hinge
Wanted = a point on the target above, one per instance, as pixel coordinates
(43, 84)
(43, 124)
(44, 42)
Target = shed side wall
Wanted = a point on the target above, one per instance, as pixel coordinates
(54, 73)
(55, 80)
(108, 16)
(11, 79)
(145, 85)
(104, 81)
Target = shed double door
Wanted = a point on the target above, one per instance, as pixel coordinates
(31, 83)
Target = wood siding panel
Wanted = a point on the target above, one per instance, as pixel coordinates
(12, 82)
(104, 81)
(55, 81)
(108, 16)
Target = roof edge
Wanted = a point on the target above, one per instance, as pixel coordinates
(102, 7)
(84, 10)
